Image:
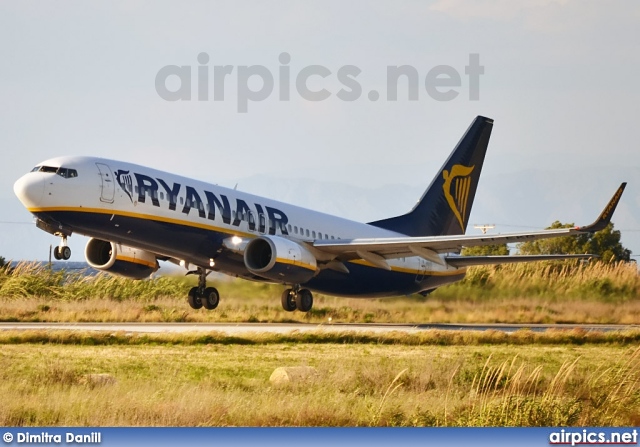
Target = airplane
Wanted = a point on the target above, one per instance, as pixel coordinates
(136, 216)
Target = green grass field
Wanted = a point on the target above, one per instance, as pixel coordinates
(168, 382)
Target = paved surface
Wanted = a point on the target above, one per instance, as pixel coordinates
(283, 328)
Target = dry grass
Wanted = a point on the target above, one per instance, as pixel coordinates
(524, 293)
(357, 385)
(608, 282)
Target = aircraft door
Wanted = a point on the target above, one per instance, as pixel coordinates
(107, 186)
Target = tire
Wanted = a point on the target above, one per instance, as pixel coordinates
(194, 298)
(304, 300)
(56, 253)
(211, 298)
(288, 300)
(65, 253)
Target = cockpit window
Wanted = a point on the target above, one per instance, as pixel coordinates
(46, 169)
(67, 173)
(62, 172)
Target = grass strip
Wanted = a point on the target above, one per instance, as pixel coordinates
(426, 338)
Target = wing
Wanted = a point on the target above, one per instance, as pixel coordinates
(378, 250)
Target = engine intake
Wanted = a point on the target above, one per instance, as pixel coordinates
(280, 260)
(118, 259)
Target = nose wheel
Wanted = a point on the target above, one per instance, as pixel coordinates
(203, 296)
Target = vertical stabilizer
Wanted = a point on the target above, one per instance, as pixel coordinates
(445, 206)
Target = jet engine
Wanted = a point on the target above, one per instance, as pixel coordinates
(280, 260)
(120, 259)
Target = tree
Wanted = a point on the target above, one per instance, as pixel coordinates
(604, 243)
(486, 250)
(3, 262)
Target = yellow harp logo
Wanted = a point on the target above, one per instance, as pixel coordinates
(460, 179)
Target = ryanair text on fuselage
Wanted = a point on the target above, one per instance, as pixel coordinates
(257, 221)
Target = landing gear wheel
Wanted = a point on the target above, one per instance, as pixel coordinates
(194, 298)
(210, 298)
(56, 253)
(288, 300)
(304, 300)
(65, 252)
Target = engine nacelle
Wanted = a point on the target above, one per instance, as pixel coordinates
(119, 259)
(280, 260)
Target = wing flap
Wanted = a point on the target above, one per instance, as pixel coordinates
(401, 246)
(466, 261)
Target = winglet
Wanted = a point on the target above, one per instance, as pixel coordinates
(605, 216)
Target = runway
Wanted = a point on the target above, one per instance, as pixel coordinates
(284, 328)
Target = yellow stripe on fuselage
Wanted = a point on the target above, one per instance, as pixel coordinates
(142, 216)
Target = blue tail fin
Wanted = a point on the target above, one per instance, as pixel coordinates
(445, 206)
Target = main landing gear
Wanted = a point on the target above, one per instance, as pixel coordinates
(208, 297)
(296, 298)
(62, 251)
(202, 295)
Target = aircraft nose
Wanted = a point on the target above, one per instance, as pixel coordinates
(29, 188)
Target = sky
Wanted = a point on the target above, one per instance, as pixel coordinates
(559, 77)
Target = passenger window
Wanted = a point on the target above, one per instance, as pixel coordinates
(289, 226)
(181, 200)
(307, 231)
(136, 189)
(295, 229)
(313, 234)
(161, 195)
